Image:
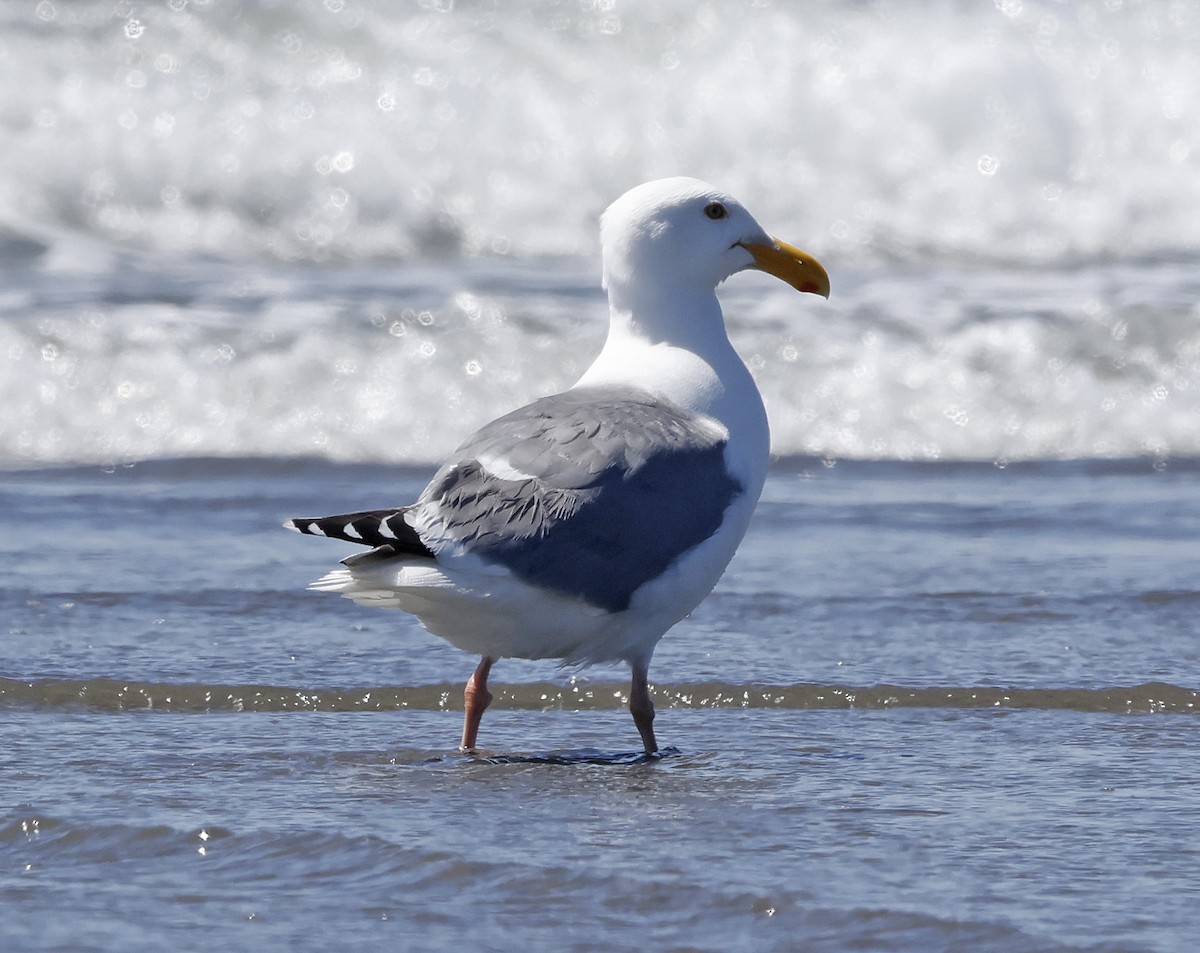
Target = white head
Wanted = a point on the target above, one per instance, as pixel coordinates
(678, 234)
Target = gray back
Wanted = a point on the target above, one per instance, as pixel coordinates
(615, 485)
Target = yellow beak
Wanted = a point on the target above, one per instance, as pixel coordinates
(788, 263)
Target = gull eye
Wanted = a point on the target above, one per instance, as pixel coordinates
(715, 210)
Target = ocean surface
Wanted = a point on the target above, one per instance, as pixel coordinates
(263, 260)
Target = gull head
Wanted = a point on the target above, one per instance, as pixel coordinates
(679, 234)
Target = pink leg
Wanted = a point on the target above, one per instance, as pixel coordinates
(641, 707)
(476, 698)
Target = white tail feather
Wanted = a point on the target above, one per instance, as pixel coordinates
(337, 581)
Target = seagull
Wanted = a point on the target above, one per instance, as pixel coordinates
(584, 525)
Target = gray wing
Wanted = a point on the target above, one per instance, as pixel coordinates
(598, 491)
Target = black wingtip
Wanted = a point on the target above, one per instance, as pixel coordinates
(374, 528)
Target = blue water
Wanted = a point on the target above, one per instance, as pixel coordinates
(928, 708)
(260, 260)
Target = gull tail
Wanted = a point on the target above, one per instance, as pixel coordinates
(386, 530)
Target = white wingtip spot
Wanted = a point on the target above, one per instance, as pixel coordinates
(350, 531)
(290, 524)
(385, 530)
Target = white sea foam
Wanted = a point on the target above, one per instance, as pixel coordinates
(374, 364)
(355, 230)
(1010, 131)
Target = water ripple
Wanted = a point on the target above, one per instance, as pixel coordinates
(105, 694)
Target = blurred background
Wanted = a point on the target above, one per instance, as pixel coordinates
(353, 229)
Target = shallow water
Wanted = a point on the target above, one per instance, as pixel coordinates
(934, 705)
(930, 707)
